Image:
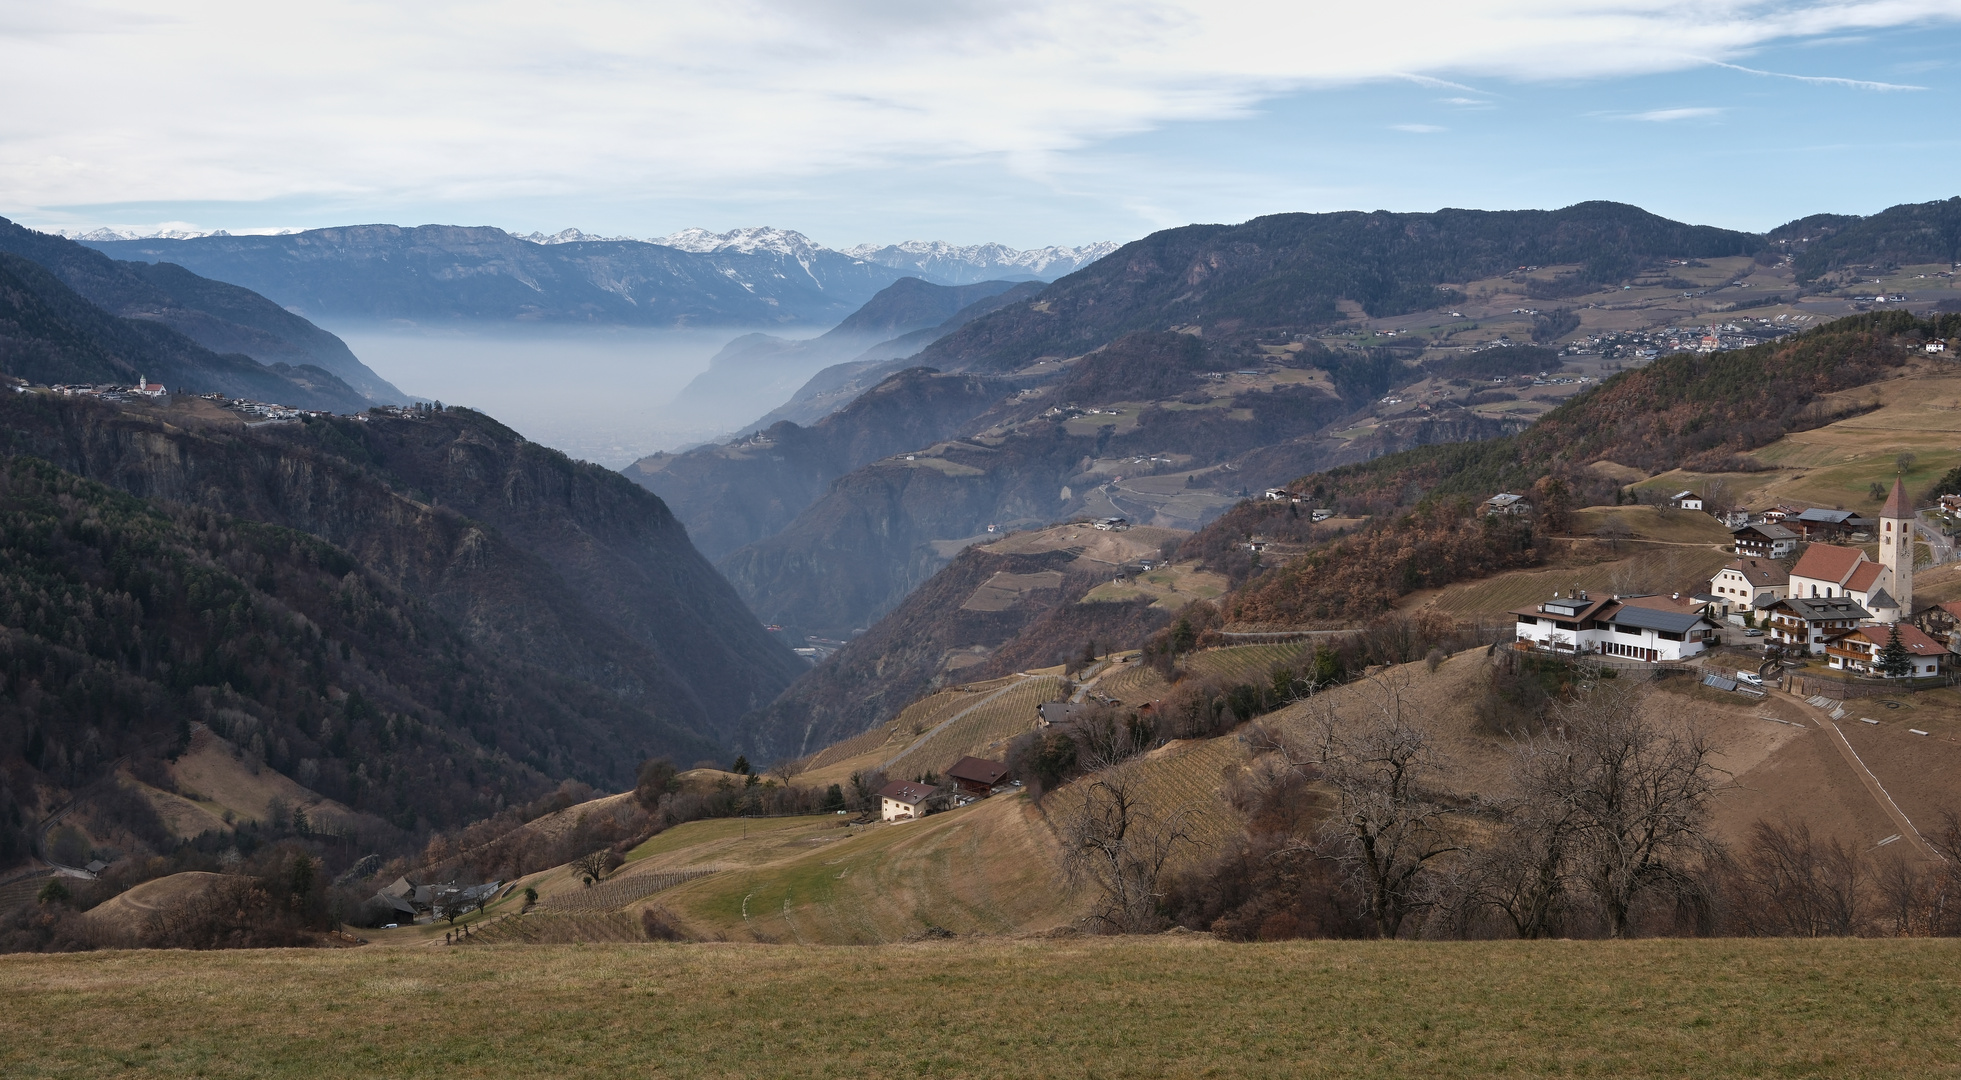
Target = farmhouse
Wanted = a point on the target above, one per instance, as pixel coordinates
(977, 777)
(1505, 503)
(1860, 650)
(1685, 500)
(1651, 629)
(903, 800)
(1766, 541)
(1052, 713)
(1801, 624)
(1817, 524)
(1746, 584)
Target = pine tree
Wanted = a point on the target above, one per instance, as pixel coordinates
(1894, 660)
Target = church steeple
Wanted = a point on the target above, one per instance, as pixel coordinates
(1896, 544)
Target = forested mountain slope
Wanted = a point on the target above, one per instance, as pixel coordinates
(223, 318)
(749, 489)
(49, 334)
(1291, 270)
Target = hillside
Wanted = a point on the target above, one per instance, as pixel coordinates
(1198, 364)
(747, 490)
(1704, 412)
(223, 318)
(50, 334)
(1027, 601)
(369, 272)
(758, 370)
(1900, 235)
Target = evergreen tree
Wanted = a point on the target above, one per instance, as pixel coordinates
(1894, 660)
(741, 764)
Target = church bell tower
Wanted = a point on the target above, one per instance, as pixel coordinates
(1896, 545)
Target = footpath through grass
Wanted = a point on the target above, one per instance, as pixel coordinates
(1168, 1006)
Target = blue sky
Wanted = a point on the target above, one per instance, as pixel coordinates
(870, 121)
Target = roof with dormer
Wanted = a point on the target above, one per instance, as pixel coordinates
(1897, 507)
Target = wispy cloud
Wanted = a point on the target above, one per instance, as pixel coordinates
(156, 100)
(1822, 80)
(1663, 116)
(1416, 129)
(1464, 101)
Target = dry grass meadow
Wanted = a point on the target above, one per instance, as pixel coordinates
(1173, 1005)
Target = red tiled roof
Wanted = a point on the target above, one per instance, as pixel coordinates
(1661, 602)
(1862, 578)
(1827, 562)
(1915, 639)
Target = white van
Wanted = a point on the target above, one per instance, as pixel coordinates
(1750, 677)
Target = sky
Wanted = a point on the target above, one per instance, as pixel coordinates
(1025, 123)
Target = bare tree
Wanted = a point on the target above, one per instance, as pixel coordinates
(1635, 797)
(1385, 829)
(593, 867)
(1793, 886)
(1118, 847)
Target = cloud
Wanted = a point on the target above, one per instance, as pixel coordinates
(1464, 102)
(1822, 80)
(157, 100)
(1662, 116)
(1416, 129)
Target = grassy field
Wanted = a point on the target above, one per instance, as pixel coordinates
(1166, 1006)
(1836, 465)
(1650, 569)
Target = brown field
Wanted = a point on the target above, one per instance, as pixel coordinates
(1651, 568)
(1149, 1007)
(982, 732)
(129, 909)
(986, 868)
(213, 778)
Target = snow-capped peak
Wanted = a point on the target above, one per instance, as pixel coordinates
(976, 262)
(570, 236)
(158, 232)
(747, 241)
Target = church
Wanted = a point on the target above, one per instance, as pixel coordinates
(1834, 590)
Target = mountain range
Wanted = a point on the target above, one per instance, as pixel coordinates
(761, 277)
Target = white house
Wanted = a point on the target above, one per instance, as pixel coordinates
(1859, 650)
(903, 800)
(1749, 583)
(1646, 628)
(1686, 500)
(1766, 541)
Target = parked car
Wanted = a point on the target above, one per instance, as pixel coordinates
(1753, 632)
(1750, 677)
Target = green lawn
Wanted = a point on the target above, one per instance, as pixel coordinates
(1168, 1006)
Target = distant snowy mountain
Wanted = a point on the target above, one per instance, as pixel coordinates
(935, 260)
(952, 264)
(569, 236)
(129, 233)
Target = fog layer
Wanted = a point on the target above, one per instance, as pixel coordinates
(597, 393)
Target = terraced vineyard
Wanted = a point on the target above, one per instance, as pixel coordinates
(19, 893)
(1134, 685)
(621, 890)
(1248, 663)
(977, 732)
(1189, 775)
(548, 928)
